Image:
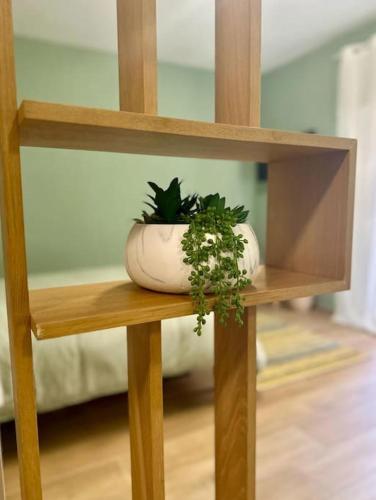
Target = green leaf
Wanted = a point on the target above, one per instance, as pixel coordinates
(168, 206)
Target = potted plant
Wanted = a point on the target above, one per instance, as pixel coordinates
(195, 245)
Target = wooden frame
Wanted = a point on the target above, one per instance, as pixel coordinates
(73, 127)
(13, 237)
(237, 85)
(137, 47)
(311, 229)
(235, 408)
(146, 410)
(2, 482)
(309, 236)
(137, 37)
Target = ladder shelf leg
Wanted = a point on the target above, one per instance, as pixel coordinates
(13, 239)
(26, 416)
(235, 407)
(145, 396)
(2, 480)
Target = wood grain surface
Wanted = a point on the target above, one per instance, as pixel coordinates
(137, 49)
(235, 407)
(238, 62)
(74, 127)
(137, 35)
(14, 256)
(2, 483)
(57, 312)
(237, 101)
(310, 211)
(146, 410)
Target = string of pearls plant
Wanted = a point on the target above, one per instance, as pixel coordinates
(210, 239)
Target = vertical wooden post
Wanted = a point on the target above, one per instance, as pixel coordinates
(2, 482)
(137, 45)
(235, 407)
(146, 410)
(238, 83)
(237, 62)
(15, 268)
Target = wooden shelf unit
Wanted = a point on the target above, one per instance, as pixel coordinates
(309, 236)
(57, 312)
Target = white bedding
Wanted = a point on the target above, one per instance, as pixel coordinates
(74, 369)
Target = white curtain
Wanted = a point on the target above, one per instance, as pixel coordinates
(357, 118)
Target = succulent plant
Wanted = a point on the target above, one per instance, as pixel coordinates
(218, 204)
(209, 237)
(168, 205)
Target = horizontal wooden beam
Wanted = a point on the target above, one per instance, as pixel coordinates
(57, 312)
(73, 127)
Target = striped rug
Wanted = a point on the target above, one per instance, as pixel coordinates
(296, 354)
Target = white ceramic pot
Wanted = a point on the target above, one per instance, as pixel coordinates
(154, 257)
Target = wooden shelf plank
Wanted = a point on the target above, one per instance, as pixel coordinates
(56, 312)
(72, 127)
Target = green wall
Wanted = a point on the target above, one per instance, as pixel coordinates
(303, 95)
(79, 205)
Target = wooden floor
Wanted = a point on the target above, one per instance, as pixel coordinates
(316, 439)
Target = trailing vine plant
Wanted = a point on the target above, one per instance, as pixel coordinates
(213, 251)
(211, 247)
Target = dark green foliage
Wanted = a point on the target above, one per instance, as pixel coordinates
(168, 206)
(210, 245)
(210, 238)
(217, 203)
